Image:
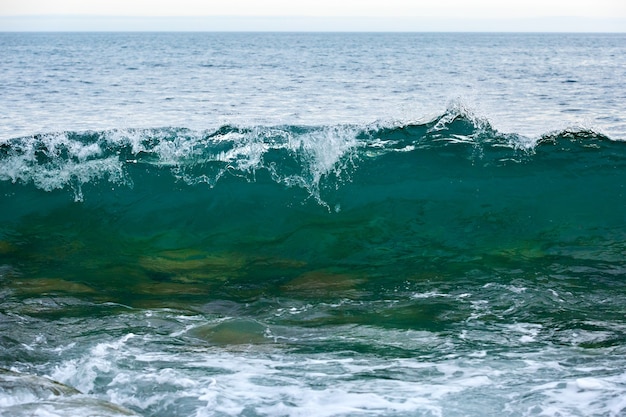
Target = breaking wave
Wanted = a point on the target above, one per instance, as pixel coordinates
(313, 158)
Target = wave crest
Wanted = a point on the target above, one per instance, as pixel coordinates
(295, 156)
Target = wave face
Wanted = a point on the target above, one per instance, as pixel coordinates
(452, 188)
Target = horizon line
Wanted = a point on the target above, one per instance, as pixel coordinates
(233, 23)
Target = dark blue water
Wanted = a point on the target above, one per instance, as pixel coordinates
(312, 224)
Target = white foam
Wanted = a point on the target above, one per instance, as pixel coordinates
(430, 294)
(71, 163)
(590, 383)
(589, 395)
(219, 382)
(444, 374)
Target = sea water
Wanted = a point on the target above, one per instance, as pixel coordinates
(257, 224)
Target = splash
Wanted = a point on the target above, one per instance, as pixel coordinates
(308, 157)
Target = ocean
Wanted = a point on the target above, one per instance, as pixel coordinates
(312, 224)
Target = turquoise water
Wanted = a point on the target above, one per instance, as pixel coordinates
(434, 267)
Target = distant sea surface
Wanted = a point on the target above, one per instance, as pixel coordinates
(312, 224)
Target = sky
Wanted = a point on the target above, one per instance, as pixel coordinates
(523, 15)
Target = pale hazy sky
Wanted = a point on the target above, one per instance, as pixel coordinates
(611, 11)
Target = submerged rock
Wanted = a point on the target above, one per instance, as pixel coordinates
(321, 283)
(191, 265)
(80, 407)
(6, 247)
(18, 385)
(51, 286)
(232, 332)
(31, 395)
